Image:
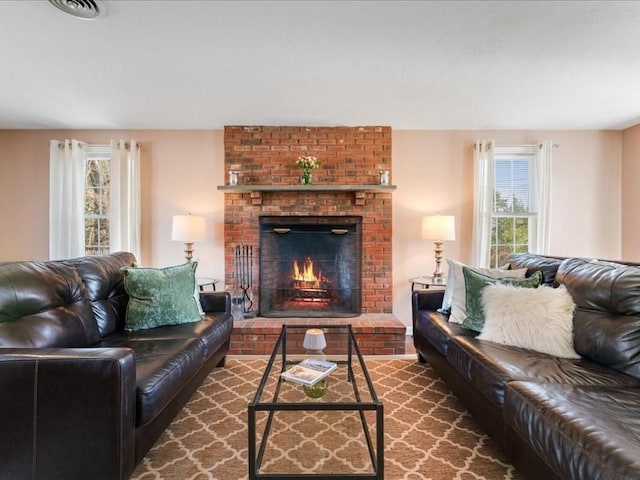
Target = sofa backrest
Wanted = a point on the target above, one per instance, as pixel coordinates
(606, 322)
(44, 304)
(104, 281)
(547, 266)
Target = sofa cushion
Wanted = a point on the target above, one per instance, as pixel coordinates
(539, 319)
(44, 304)
(606, 323)
(104, 281)
(476, 282)
(163, 367)
(613, 340)
(547, 266)
(212, 331)
(161, 296)
(602, 286)
(581, 432)
(436, 328)
(489, 366)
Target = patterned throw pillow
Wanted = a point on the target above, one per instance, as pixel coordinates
(454, 302)
(160, 296)
(475, 283)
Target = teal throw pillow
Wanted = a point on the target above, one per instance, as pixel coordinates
(160, 296)
(475, 282)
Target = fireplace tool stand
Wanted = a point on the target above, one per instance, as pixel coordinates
(242, 295)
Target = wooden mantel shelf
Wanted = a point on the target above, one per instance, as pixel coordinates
(306, 188)
(257, 190)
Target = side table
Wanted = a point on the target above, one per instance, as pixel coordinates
(203, 282)
(426, 281)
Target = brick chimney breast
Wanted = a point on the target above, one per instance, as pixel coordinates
(266, 155)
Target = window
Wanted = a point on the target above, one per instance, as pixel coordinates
(514, 212)
(96, 200)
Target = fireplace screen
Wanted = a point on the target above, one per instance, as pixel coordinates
(310, 266)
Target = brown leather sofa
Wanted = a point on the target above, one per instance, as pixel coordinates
(556, 418)
(80, 397)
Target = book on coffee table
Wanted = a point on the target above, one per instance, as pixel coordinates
(309, 371)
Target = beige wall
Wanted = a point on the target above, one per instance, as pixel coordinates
(180, 170)
(432, 169)
(434, 174)
(631, 194)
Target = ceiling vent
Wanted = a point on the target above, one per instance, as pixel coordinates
(86, 9)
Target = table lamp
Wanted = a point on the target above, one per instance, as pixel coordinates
(438, 228)
(188, 229)
(314, 341)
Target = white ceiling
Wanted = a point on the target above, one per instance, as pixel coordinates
(411, 65)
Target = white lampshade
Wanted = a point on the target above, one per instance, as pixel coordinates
(188, 228)
(314, 340)
(439, 227)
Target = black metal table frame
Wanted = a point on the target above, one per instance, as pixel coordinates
(376, 454)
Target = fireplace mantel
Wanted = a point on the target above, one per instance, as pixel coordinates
(258, 190)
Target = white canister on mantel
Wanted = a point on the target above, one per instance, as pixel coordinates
(384, 177)
(233, 177)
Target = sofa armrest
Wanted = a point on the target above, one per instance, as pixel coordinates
(427, 299)
(215, 302)
(430, 300)
(67, 413)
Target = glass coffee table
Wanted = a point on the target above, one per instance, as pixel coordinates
(331, 432)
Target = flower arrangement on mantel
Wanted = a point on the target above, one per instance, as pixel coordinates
(307, 163)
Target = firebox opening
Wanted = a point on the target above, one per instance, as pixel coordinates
(310, 266)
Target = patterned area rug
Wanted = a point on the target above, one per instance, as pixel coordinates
(428, 434)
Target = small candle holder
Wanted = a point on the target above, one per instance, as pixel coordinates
(384, 177)
(317, 390)
(233, 177)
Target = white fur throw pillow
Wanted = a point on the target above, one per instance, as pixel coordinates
(539, 319)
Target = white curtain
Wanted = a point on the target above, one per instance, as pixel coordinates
(124, 224)
(67, 162)
(483, 201)
(543, 194)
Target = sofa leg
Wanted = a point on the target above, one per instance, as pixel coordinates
(421, 359)
(222, 362)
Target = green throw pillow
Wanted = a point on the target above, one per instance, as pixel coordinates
(160, 296)
(475, 282)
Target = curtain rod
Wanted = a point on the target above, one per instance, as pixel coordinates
(61, 145)
(126, 145)
(539, 145)
(84, 144)
(492, 144)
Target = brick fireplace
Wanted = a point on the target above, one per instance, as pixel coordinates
(346, 184)
(310, 266)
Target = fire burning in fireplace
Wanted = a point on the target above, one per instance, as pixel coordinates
(307, 286)
(310, 266)
(306, 274)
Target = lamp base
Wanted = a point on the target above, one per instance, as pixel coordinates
(314, 352)
(438, 276)
(188, 251)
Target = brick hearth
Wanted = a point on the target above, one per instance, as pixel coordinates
(376, 334)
